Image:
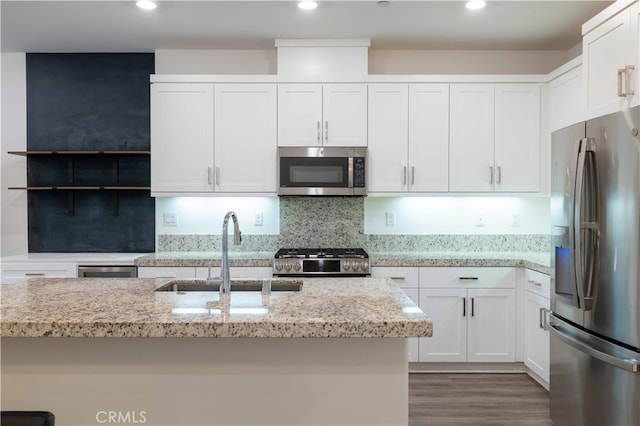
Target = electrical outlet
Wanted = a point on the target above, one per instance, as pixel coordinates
(480, 221)
(170, 218)
(390, 218)
(258, 219)
(515, 220)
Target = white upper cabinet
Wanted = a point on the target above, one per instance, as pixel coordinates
(494, 138)
(181, 137)
(471, 167)
(517, 138)
(428, 137)
(387, 158)
(317, 115)
(408, 137)
(245, 138)
(566, 99)
(189, 157)
(610, 53)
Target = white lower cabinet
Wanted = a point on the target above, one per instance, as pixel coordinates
(537, 305)
(407, 278)
(18, 271)
(473, 313)
(201, 272)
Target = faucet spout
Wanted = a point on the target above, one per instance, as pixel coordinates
(225, 287)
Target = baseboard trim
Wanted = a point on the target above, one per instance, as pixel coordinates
(467, 367)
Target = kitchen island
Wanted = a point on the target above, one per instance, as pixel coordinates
(334, 353)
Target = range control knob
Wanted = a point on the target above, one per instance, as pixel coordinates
(346, 265)
(364, 265)
(296, 267)
(287, 266)
(278, 266)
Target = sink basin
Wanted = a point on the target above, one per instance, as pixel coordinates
(246, 284)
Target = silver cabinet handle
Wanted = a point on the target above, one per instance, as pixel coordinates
(319, 131)
(632, 365)
(628, 70)
(34, 274)
(491, 174)
(413, 175)
(218, 176)
(404, 175)
(468, 278)
(473, 306)
(620, 92)
(541, 317)
(537, 284)
(464, 306)
(499, 175)
(326, 131)
(398, 278)
(209, 174)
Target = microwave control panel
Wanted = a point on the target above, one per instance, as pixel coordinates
(358, 172)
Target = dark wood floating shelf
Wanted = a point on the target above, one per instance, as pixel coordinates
(82, 188)
(112, 152)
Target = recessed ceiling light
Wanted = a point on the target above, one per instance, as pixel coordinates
(383, 3)
(146, 4)
(475, 4)
(307, 4)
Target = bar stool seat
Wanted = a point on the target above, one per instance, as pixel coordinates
(27, 418)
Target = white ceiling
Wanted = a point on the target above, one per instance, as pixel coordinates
(119, 26)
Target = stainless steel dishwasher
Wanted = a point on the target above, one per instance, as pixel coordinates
(107, 271)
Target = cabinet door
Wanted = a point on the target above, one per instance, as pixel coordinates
(607, 48)
(536, 338)
(428, 137)
(471, 130)
(566, 100)
(517, 137)
(245, 138)
(299, 114)
(446, 307)
(166, 272)
(388, 127)
(491, 325)
(181, 137)
(344, 111)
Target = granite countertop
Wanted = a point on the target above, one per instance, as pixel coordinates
(538, 261)
(129, 307)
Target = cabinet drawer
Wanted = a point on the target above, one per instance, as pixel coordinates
(538, 283)
(166, 272)
(12, 272)
(467, 277)
(404, 277)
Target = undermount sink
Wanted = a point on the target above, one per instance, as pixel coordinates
(243, 285)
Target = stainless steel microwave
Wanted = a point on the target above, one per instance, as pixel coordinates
(321, 171)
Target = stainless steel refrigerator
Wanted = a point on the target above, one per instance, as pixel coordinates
(595, 272)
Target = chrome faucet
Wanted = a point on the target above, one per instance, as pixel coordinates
(225, 286)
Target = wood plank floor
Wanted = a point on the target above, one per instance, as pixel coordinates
(477, 399)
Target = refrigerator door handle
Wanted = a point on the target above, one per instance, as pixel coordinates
(631, 365)
(574, 229)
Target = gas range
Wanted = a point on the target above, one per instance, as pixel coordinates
(326, 262)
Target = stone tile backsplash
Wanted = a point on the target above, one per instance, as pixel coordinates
(339, 222)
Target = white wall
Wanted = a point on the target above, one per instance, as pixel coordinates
(13, 137)
(204, 215)
(465, 61)
(457, 215)
(174, 61)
